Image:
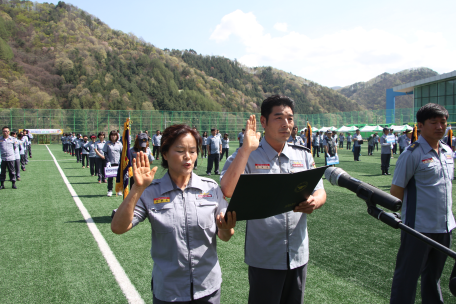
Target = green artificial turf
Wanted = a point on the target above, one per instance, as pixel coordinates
(49, 255)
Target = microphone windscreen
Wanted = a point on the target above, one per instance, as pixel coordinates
(332, 174)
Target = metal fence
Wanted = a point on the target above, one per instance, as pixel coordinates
(94, 121)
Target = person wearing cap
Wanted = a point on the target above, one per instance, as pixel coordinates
(316, 144)
(141, 144)
(112, 151)
(294, 138)
(84, 152)
(277, 247)
(90, 147)
(330, 146)
(385, 156)
(241, 137)
(156, 142)
(8, 154)
(357, 140)
(423, 181)
(214, 147)
(349, 141)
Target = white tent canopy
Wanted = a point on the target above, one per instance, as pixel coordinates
(371, 129)
(347, 129)
(400, 128)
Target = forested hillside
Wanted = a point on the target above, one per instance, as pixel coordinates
(58, 56)
(372, 94)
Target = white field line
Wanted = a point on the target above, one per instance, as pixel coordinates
(121, 277)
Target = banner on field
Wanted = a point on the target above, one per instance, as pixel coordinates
(45, 131)
(111, 171)
(390, 138)
(332, 160)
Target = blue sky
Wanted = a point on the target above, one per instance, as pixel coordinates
(334, 43)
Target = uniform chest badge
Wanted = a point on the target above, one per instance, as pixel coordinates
(263, 166)
(427, 160)
(297, 164)
(204, 195)
(449, 156)
(313, 165)
(160, 200)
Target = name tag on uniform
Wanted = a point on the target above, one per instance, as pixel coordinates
(427, 160)
(448, 156)
(204, 195)
(297, 164)
(160, 200)
(263, 166)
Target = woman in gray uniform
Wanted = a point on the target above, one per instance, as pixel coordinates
(100, 159)
(186, 214)
(141, 144)
(90, 147)
(112, 152)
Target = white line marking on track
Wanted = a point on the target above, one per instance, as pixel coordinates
(121, 277)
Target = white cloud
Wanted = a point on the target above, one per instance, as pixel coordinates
(281, 27)
(338, 58)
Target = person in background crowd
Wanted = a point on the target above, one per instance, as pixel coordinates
(316, 144)
(8, 155)
(218, 133)
(322, 136)
(423, 182)
(303, 137)
(90, 147)
(334, 135)
(294, 138)
(22, 150)
(78, 147)
(156, 142)
(17, 161)
(29, 147)
(26, 143)
(357, 139)
(72, 143)
(195, 167)
(204, 146)
(141, 144)
(341, 140)
(241, 137)
(84, 152)
(62, 139)
(225, 146)
(330, 146)
(395, 143)
(112, 152)
(385, 157)
(349, 141)
(370, 144)
(214, 147)
(100, 159)
(179, 242)
(376, 140)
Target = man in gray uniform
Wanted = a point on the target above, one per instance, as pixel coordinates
(385, 156)
(241, 137)
(156, 142)
(349, 141)
(316, 144)
(213, 150)
(29, 147)
(423, 181)
(7, 150)
(277, 247)
(294, 138)
(357, 140)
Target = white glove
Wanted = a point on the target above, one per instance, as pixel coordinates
(108, 164)
(328, 154)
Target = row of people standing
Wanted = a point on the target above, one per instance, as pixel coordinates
(15, 149)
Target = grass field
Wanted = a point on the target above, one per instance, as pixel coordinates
(48, 254)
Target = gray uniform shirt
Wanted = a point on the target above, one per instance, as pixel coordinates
(214, 143)
(91, 146)
(356, 143)
(315, 140)
(386, 147)
(7, 148)
(349, 138)
(16, 152)
(296, 141)
(241, 137)
(156, 140)
(99, 145)
(21, 144)
(204, 141)
(426, 177)
(78, 143)
(30, 137)
(112, 152)
(149, 155)
(225, 143)
(183, 236)
(268, 241)
(84, 145)
(341, 138)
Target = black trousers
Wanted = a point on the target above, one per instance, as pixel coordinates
(401, 149)
(415, 259)
(341, 144)
(29, 148)
(213, 298)
(72, 149)
(277, 286)
(357, 152)
(316, 149)
(322, 149)
(17, 166)
(156, 151)
(213, 157)
(101, 163)
(376, 145)
(78, 154)
(63, 147)
(23, 161)
(86, 158)
(395, 148)
(224, 150)
(349, 145)
(11, 169)
(93, 167)
(370, 149)
(204, 151)
(385, 161)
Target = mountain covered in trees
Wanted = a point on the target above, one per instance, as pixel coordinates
(59, 56)
(372, 94)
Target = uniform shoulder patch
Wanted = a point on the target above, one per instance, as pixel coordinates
(299, 147)
(413, 146)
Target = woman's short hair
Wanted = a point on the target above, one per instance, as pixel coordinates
(171, 134)
(101, 134)
(115, 134)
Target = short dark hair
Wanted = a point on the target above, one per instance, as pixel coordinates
(115, 134)
(171, 134)
(275, 100)
(100, 134)
(429, 111)
(5, 127)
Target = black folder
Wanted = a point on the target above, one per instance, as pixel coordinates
(258, 196)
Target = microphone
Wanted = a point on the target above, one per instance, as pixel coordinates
(338, 177)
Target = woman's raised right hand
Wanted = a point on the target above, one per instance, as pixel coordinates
(142, 173)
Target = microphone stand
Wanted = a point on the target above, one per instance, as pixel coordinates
(393, 220)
